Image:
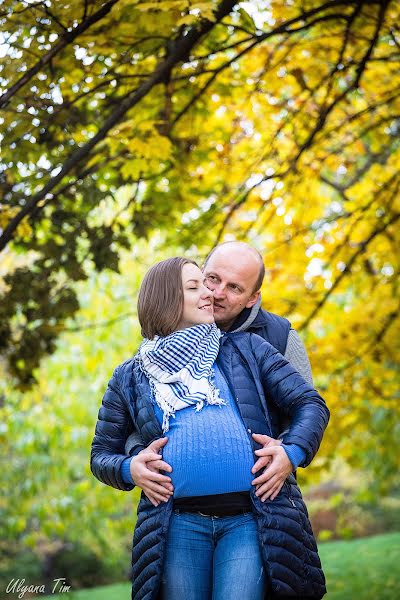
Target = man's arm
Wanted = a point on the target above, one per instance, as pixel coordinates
(296, 354)
(134, 444)
(309, 412)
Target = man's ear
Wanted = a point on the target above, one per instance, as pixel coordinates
(253, 299)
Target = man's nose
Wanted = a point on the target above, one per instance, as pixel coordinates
(218, 290)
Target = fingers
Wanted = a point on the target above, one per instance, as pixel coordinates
(145, 471)
(142, 475)
(168, 486)
(159, 465)
(154, 498)
(265, 490)
(166, 483)
(276, 490)
(273, 491)
(266, 440)
(158, 444)
(268, 451)
(150, 454)
(275, 468)
(263, 478)
(156, 488)
(152, 462)
(156, 492)
(266, 455)
(262, 439)
(147, 456)
(148, 475)
(261, 463)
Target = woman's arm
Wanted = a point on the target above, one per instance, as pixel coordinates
(114, 425)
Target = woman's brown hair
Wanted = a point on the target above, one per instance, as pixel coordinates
(160, 300)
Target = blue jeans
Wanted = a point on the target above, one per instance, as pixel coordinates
(212, 558)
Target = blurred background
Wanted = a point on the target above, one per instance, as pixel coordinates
(134, 131)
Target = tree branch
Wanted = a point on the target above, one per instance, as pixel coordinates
(179, 51)
(326, 110)
(66, 38)
(363, 246)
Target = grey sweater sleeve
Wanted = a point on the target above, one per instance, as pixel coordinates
(134, 444)
(296, 354)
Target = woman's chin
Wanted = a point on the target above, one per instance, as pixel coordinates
(209, 320)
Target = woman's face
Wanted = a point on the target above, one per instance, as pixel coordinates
(197, 298)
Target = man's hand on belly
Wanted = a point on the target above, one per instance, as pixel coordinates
(145, 471)
(278, 467)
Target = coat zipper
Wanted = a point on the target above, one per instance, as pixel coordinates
(287, 485)
(236, 400)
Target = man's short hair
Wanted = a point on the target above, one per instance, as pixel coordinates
(160, 300)
(261, 273)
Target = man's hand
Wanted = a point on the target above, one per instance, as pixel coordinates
(145, 470)
(278, 467)
(265, 441)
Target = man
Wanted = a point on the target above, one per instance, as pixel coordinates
(234, 271)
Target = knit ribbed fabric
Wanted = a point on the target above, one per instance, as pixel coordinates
(295, 454)
(296, 354)
(126, 470)
(209, 450)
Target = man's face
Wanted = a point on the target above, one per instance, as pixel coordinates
(231, 274)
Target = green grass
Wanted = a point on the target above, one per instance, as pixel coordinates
(364, 569)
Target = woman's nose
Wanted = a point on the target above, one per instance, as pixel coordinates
(207, 293)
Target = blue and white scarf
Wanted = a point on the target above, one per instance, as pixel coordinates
(179, 368)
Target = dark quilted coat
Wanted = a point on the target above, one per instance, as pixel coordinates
(262, 382)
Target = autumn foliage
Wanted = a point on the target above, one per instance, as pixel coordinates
(275, 122)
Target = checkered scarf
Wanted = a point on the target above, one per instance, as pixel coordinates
(179, 368)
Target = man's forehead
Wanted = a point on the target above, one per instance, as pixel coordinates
(239, 269)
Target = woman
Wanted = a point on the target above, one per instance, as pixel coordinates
(213, 538)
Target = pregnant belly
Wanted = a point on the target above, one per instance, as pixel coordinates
(207, 465)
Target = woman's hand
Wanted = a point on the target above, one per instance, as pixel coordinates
(145, 470)
(278, 467)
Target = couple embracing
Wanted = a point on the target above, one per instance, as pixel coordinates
(211, 419)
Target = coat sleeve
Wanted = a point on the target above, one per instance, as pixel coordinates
(284, 386)
(114, 425)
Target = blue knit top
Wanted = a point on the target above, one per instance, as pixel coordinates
(210, 451)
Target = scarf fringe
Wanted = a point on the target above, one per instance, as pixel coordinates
(179, 369)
